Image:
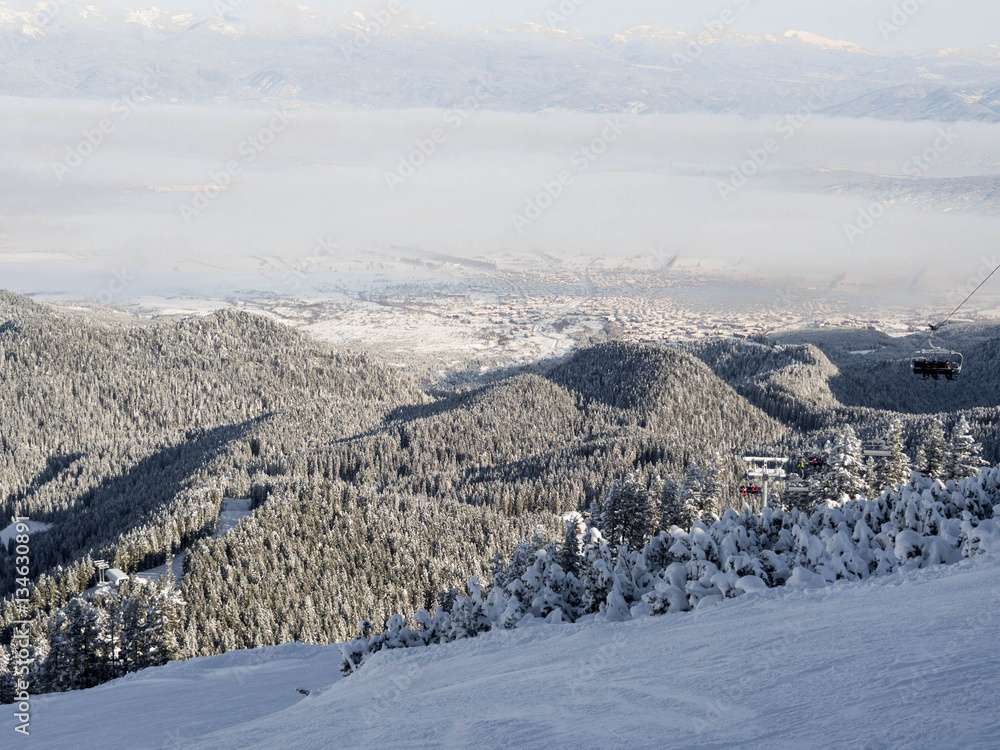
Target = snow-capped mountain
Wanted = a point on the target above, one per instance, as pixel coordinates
(387, 59)
(837, 45)
(925, 101)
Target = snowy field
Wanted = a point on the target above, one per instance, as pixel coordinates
(233, 511)
(904, 661)
(11, 531)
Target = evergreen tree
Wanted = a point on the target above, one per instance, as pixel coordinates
(77, 648)
(695, 501)
(522, 558)
(640, 513)
(164, 628)
(964, 457)
(137, 647)
(843, 471)
(935, 451)
(598, 571)
(469, 615)
(671, 511)
(610, 515)
(714, 482)
(7, 680)
(571, 552)
(895, 468)
(871, 478)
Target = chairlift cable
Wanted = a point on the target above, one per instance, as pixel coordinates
(935, 328)
(966, 299)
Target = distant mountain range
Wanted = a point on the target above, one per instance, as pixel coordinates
(321, 59)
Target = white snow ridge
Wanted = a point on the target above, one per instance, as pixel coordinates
(893, 662)
(822, 42)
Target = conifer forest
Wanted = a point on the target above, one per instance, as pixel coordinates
(387, 510)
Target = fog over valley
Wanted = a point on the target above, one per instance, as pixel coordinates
(508, 374)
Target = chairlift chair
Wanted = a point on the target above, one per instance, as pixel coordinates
(936, 362)
(808, 464)
(796, 488)
(875, 449)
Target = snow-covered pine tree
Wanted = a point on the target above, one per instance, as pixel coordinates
(870, 472)
(469, 616)
(609, 515)
(895, 468)
(627, 516)
(714, 482)
(448, 598)
(640, 514)
(671, 512)
(111, 604)
(571, 551)
(522, 558)
(7, 681)
(695, 501)
(935, 451)
(137, 646)
(843, 473)
(78, 648)
(165, 621)
(551, 588)
(598, 570)
(964, 457)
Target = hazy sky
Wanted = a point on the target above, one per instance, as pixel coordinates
(120, 211)
(657, 187)
(925, 23)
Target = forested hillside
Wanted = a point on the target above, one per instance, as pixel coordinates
(370, 496)
(799, 385)
(873, 368)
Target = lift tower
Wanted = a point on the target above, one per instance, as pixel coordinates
(765, 468)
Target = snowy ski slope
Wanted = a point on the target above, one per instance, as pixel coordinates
(904, 661)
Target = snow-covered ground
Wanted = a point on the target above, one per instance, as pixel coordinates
(903, 661)
(11, 531)
(233, 511)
